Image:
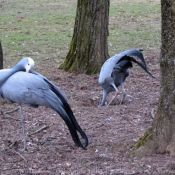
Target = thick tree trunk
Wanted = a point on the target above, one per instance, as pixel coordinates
(161, 137)
(89, 46)
(1, 56)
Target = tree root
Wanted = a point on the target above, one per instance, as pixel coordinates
(146, 145)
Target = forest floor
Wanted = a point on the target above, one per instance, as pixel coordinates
(112, 130)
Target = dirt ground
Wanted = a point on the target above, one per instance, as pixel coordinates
(112, 130)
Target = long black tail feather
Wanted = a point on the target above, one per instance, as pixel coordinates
(72, 129)
(67, 114)
(124, 64)
(71, 117)
(144, 67)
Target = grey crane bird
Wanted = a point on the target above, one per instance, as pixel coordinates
(22, 85)
(115, 70)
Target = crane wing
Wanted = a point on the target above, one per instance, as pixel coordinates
(55, 88)
(28, 88)
(129, 59)
(109, 64)
(66, 106)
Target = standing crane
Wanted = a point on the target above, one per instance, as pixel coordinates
(115, 70)
(22, 85)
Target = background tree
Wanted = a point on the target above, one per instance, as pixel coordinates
(161, 137)
(1, 56)
(89, 46)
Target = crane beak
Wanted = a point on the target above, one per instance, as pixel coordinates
(30, 64)
(27, 69)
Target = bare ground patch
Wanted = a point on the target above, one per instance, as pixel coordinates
(112, 130)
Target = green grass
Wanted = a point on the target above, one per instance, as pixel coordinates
(43, 29)
(134, 24)
(39, 29)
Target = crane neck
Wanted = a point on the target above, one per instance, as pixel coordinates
(5, 74)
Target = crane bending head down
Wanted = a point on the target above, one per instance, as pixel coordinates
(24, 65)
(30, 64)
(115, 70)
(22, 85)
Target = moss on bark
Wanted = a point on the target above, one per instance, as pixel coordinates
(89, 47)
(147, 136)
(160, 137)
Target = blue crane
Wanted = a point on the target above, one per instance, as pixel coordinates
(22, 85)
(115, 70)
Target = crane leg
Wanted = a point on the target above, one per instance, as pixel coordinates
(23, 128)
(124, 94)
(115, 94)
(103, 98)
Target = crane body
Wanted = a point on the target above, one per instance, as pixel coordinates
(115, 70)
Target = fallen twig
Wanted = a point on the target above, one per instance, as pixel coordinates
(112, 99)
(20, 155)
(7, 112)
(42, 128)
(9, 147)
(13, 110)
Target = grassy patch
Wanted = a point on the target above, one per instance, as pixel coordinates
(43, 29)
(134, 24)
(39, 29)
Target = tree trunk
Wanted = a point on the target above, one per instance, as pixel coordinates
(1, 56)
(89, 46)
(161, 137)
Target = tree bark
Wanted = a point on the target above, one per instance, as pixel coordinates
(161, 137)
(89, 46)
(1, 56)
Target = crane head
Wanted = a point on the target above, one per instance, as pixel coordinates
(25, 64)
(30, 64)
